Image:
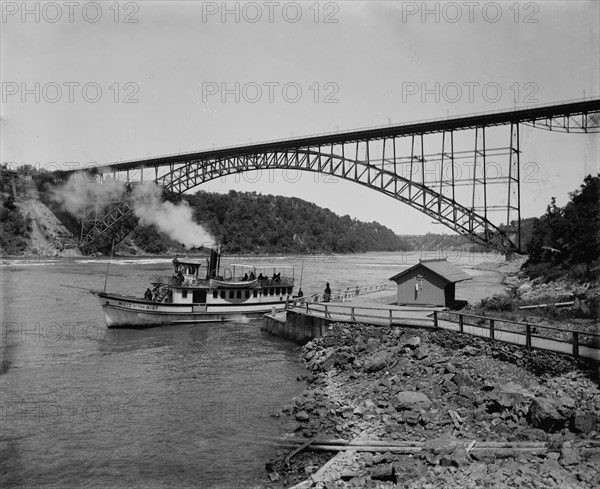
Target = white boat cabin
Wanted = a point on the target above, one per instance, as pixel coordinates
(202, 283)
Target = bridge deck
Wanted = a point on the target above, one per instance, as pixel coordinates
(528, 114)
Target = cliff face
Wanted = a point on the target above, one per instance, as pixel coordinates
(28, 226)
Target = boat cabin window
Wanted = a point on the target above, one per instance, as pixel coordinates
(271, 291)
(215, 294)
(247, 294)
(222, 294)
(254, 294)
(231, 293)
(239, 294)
(184, 294)
(277, 290)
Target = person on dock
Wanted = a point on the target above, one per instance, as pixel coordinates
(327, 293)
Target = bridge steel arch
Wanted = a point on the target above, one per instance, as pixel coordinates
(390, 160)
(415, 194)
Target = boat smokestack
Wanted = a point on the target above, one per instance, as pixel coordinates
(213, 263)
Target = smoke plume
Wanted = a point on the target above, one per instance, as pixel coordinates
(83, 195)
(174, 220)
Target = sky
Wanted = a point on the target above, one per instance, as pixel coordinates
(102, 82)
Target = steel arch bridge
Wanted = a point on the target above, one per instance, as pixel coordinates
(420, 164)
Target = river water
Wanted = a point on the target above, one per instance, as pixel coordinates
(180, 406)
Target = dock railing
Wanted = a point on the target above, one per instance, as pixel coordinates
(365, 314)
(528, 334)
(350, 292)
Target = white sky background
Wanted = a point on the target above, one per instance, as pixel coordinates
(549, 50)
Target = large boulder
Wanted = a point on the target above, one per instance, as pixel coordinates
(383, 472)
(421, 352)
(372, 345)
(411, 341)
(462, 379)
(509, 395)
(302, 416)
(411, 400)
(582, 422)
(544, 415)
(377, 361)
(569, 455)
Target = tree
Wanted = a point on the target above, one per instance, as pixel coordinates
(569, 236)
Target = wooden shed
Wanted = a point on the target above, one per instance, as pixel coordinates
(429, 283)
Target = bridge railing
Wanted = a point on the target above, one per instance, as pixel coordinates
(528, 334)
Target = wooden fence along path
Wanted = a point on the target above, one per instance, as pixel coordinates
(572, 342)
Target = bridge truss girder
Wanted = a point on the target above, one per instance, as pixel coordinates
(377, 164)
(416, 194)
(372, 158)
(580, 122)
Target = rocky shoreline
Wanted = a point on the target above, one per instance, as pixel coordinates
(442, 391)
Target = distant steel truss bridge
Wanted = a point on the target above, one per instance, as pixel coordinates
(464, 172)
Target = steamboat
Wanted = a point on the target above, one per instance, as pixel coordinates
(200, 292)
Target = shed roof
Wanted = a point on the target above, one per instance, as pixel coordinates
(442, 268)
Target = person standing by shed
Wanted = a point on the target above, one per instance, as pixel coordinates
(327, 293)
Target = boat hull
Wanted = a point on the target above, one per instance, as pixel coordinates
(126, 312)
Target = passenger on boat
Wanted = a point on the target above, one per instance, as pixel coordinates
(252, 276)
(148, 295)
(260, 276)
(276, 277)
(180, 277)
(245, 279)
(327, 293)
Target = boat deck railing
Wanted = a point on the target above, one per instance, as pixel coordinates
(174, 281)
(193, 282)
(282, 282)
